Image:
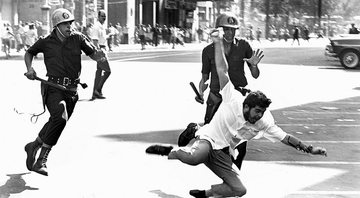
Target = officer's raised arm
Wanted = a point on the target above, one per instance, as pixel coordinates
(220, 60)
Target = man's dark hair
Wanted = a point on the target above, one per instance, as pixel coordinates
(101, 12)
(257, 98)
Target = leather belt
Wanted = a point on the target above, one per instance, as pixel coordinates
(64, 81)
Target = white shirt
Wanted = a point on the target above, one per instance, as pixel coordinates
(228, 127)
(30, 37)
(98, 32)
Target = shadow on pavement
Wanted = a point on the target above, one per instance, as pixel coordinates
(164, 195)
(14, 185)
(163, 137)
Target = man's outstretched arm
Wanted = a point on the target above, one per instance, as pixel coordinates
(293, 141)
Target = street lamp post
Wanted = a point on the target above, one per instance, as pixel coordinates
(45, 10)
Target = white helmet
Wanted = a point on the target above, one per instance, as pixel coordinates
(61, 15)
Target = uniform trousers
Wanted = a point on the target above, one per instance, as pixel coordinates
(60, 105)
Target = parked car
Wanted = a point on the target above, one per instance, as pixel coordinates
(347, 48)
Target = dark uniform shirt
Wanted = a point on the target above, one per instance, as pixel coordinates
(63, 59)
(240, 49)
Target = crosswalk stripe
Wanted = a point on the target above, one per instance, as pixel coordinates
(309, 162)
(332, 192)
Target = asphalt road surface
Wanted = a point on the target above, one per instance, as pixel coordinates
(101, 152)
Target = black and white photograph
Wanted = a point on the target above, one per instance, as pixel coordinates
(180, 98)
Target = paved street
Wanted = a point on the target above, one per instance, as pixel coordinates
(101, 153)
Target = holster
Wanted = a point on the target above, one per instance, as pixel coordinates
(212, 104)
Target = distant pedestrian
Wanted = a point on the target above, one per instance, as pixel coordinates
(306, 34)
(141, 33)
(296, 34)
(200, 33)
(258, 34)
(272, 33)
(103, 71)
(30, 36)
(174, 36)
(6, 36)
(320, 33)
(286, 34)
(353, 29)
(156, 31)
(250, 33)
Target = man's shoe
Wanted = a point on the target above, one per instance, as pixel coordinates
(31, 150)
(159, 150)
(188, 134)
(197, 193)
(97, 95)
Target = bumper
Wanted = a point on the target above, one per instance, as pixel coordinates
(330, 54)
(329, 51)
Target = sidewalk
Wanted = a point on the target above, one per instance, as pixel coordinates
(199, 46)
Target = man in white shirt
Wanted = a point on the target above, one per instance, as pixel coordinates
(237, 119)
(99, 38)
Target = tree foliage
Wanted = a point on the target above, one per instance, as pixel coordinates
(298, 8)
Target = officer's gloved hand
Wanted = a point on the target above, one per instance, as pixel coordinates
(30, 74)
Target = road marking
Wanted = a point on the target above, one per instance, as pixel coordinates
(158, 56)
(321, 125)
(321, 192)
(322, 112)
(320, 141)
(309, 162)
(345, 102)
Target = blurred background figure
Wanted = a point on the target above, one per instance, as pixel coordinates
(30, 36)
(258, 34)
(353, 29)
(296, 33)
(6, 35)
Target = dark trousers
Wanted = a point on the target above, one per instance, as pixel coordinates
(212, 104)
(100, 77)
(54, 99)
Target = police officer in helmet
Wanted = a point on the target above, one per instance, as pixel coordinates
(62, 51)
(237, 52)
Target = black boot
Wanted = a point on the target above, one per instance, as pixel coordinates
(197, 193)
(31, 150)
(40, 165)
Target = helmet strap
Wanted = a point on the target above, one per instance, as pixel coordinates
(227, 40)
(63, 36)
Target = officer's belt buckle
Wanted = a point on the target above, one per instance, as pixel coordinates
(66, 81)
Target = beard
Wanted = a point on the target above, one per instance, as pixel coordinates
(250, 119)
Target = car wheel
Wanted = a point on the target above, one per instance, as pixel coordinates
(350, 59)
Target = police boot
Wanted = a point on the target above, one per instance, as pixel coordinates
(40, 165)
(31, 150)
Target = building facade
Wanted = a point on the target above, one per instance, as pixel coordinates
(180, 13)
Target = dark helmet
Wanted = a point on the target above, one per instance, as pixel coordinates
(227, 20)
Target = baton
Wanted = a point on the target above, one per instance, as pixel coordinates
(195, 90)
